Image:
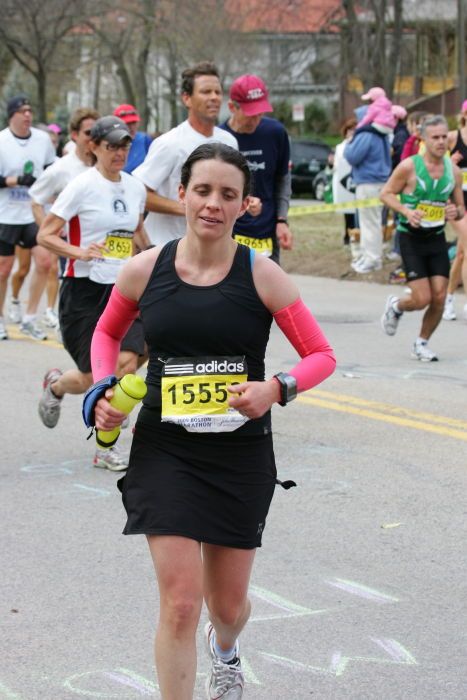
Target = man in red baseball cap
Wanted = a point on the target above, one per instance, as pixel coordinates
(140, 141)
(265, 144)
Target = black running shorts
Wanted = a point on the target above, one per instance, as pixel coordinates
(210, 487)
(24, 235)
(81, 304)
(424, 255)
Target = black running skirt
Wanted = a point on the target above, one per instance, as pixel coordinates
(213, 488)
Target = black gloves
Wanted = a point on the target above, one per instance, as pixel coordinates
(26, 180)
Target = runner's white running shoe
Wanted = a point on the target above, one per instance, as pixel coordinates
(50, 318)
(390, 318)
(422, 352)
(226, 681)
(14, 311)
(32, 330)
(49, 405)
(3, 333)
(449, 313)
(110, 459)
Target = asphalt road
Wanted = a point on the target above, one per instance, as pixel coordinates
(359, 592)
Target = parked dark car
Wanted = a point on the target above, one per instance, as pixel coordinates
(307, 159)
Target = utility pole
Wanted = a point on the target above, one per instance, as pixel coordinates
(461, 48)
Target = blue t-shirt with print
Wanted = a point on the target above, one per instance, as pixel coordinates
(267, 151)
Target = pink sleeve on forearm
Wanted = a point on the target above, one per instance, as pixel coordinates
(112, 326)
(301, 329)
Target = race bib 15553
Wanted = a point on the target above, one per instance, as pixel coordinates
(194, 392)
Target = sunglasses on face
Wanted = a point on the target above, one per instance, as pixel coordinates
(114, 147)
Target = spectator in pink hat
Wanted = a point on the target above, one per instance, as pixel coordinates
(374, 94)
(380, 114)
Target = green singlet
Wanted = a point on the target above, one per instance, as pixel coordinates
(430, 196)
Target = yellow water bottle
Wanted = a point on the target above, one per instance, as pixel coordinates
(129, 391)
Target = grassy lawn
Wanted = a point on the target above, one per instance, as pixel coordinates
(318, 249)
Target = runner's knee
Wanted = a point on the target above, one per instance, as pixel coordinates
(6, 265)
(181, 612)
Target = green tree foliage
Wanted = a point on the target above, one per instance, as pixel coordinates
(316, 118)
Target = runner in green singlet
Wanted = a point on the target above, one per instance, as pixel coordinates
(426, 191)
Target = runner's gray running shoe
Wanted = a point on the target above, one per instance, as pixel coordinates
(422, 352)
(14, 311)
(390, 318)
(110, 459)
(49, 405)
(3, 333)
(226, 681)
(32, 330)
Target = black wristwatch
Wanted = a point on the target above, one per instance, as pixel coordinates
(281, 220)
(288, 386)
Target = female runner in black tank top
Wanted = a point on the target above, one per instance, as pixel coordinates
(202, 299)
(457, 143)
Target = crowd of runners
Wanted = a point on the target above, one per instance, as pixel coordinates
(168, 251)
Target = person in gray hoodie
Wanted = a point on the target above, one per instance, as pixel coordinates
(369, 154)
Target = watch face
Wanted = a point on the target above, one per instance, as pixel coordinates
(291, 384)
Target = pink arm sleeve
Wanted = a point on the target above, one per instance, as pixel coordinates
(301, 329)
(112, 326)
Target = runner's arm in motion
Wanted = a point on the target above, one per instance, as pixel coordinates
(119, 314)
(49, 237)
(163, 205)
(38, 212)
(141, 239)
(280, 295)
(283, 193)
(396, 184)
(455, 209)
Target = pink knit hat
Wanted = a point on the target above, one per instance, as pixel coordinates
(380, 113)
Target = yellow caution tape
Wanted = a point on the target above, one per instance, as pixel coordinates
(322, 208)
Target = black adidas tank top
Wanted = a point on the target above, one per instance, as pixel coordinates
(185, 320)
(462, 148)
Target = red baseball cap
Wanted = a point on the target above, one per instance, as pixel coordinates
(251, 94)
(127, 113)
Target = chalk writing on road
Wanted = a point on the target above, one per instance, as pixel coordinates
(362, 591)
(339, 662)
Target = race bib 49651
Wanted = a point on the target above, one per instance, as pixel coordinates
(263, 246)
(194, 392)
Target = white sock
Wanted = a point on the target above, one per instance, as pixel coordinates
(421, 341)
(449, 298)
(224, 656)
(29, 318)
(396, 308)
(14, 300)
